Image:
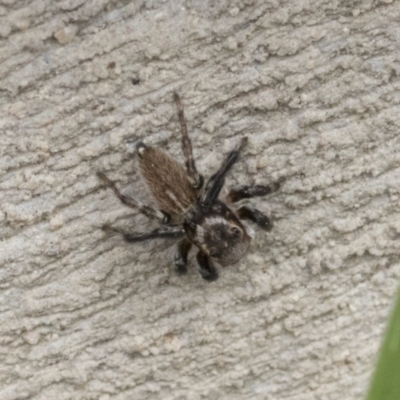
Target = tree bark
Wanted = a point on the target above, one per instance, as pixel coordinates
(315, 87)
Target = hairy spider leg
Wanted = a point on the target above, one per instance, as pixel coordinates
(252, 214)
(206, 268)
(169, 232)
(181, 255)
(151, 212)
(216, 181)
(250, 191)
(195, 178)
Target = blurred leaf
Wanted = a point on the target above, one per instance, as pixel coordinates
(386, 381)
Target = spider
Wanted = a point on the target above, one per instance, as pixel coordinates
(191, 213)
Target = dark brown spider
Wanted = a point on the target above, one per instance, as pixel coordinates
(193, 214)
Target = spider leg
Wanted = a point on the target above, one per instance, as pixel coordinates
(195, 178)
(181, 255)
(151, 212)
(247, 192)
(169, 232)
(216, 182)
(251, 213)
(206, 268)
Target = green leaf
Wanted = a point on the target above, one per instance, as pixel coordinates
(386, 381)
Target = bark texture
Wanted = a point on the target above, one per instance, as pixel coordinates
(314, 84)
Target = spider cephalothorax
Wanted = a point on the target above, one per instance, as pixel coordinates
(217, 232)
(193, 214)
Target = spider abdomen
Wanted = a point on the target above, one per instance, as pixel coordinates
(167, 180)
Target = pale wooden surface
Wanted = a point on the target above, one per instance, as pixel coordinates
(314, 84)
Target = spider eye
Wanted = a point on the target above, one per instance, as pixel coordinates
(235, 231)
(214, 253)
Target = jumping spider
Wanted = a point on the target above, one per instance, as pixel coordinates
(193, 214)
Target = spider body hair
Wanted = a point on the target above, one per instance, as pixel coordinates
(218, 232)
(191, 212)
(167, 180)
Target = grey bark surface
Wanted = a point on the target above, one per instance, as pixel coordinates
(315, 87)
